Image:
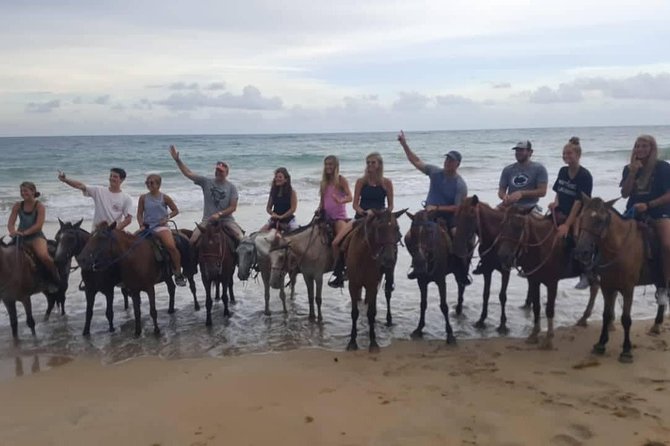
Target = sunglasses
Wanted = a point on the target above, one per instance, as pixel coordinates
(150, 182)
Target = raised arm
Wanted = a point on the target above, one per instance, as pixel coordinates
(411, 156)
(182, 167)
(70, 182)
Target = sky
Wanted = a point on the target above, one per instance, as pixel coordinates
(268, 66)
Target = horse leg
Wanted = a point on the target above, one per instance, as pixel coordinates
(13, 321)
(626, 356)
(658, 321)
(355, 293)
(481, 323)
(388, 291)
(90, 302)
(293, 276)
(552, 289)
(371, 299)
(423, 289)
(137, 311)
(125, 298)
(217, 296)
(51, 303)
(459, 304)
(608, 312)
(151, 292)
(534, 294)
(317, 297)
(224, 296)
(593, 293)
(502, 297)
(191, 285)
(208, 299)
(171, 290)
(442, 288)
(309, 283)
(265, 277)
(231, 293)
(109, 295)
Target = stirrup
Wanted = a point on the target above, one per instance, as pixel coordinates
(478, 269)
(337, 281)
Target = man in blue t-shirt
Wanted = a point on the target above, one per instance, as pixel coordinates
(446, 191)
(523, 183)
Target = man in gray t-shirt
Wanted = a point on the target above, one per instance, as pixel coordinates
(219, 195)
(523, 183)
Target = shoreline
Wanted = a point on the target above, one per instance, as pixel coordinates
(484, 391)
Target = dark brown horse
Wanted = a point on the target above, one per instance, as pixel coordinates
(476, 217)
(126, 258)
(371, 255)
(532, 244)
(432, 260)
(618, 250)
(217, 264)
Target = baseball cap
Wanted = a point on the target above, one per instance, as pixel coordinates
(454, 155)
(526, 145)
(220, 165)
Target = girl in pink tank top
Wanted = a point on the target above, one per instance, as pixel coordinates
(335, 192)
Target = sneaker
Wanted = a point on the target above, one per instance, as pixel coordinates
(478, 269)
(583, 282)
(412, 275)
(180, 280)
(337, 281)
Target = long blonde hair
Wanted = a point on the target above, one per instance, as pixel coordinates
(380, 171)
(642, 182)
(334, 179)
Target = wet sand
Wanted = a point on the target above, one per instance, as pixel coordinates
(481, 392)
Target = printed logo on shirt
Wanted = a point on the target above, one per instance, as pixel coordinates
(520, 180)
(218, 196)
(117, 207)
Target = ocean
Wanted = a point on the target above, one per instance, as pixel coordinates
(252, 160)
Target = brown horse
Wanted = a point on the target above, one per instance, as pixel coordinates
(371, 255)
(217, 264)
(432, 260)
(476, 217)
(617, 249)
(126, 258)
(532, 244)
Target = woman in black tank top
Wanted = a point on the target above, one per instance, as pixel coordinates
(282, 201)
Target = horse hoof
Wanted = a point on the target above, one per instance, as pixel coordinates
(374, 348)
(451, 339)
(112, 329)
(196, 307)
(138, 333)
(352, 346)
(86, 333)
(503, 330)
(267, 312)
(417, 334)
(655, 329)
(171, 311)
(626, 358)
(208, 323)
(526, 307)
(226, 314)
(157, 331)
(598, 349)
(582, 323)
(389, 323)
(480, 324)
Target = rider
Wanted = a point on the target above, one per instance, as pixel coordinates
(646, 184)
(447, 191)
(373, 191)
(219, 194)
(152, 214)
(31, 214)
(573, 180)
(111, 203)
(523, 183)
(282, 202)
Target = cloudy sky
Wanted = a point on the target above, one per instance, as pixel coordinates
(267, 66)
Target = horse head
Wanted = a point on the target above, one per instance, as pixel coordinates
(591, 227)
(466, 226)
(101, 250)
(513, 238)
(426, 237)
(280, 261)
(247, 256)
(382, 235)
(212, 246)
(70, 240)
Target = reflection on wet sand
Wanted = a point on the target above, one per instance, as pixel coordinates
(36, 363)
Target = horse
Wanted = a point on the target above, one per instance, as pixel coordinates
(476, 217)
(371, 254)
(217, 264)
(306, 250)
(533, 244)
(19, 280)
(253, 253)
(432, 260)
(115, 256)
(618, 250)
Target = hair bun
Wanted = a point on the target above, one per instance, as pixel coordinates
(574, 140)
(37, 194)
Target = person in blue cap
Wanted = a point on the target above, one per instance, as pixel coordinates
(446, 191)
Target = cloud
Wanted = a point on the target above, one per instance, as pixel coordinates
(502, 85)
(564, 93)
(102, 100)
(216, 86)
(453, 99)
(410, 101)
(641, 86)
(250, 99)
(183, 86)
(42, 107)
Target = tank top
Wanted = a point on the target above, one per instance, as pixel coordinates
(373, 197)
(27, 220)
(333, 209)
(155, 210)
(281, 203)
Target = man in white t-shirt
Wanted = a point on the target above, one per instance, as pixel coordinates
(111, 204)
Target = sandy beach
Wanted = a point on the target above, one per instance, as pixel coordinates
(479, 392)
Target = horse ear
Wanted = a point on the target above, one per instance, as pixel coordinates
(112, 226)
(410, 215)
(475, 200)
(60, 222)
(78, 224)
(200, 227)
(399, 213)
(585, 199)
(610, 203)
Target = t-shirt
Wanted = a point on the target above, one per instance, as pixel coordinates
(110, 206)
(569, 190)
(520, 177)
(659, 184)
(217, 196)
(444, 190)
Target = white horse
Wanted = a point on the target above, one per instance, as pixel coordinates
(307, 250)
(253, 253)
